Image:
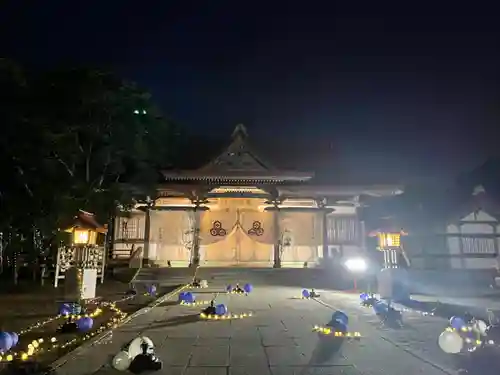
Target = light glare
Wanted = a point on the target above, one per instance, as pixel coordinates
(356, 265)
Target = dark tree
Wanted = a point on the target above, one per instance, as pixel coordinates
(72, 138)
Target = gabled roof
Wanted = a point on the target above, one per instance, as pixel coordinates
(238, 162)
(86, 220)
(479, 201)
(238, 156)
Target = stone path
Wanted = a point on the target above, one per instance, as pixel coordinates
(418, 338)
(277, 340)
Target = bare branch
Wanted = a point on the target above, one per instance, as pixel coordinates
(103, 174)
(70, 171)
(21, 173)
(78, 144)
(87, 163)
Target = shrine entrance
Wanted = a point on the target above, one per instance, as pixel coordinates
(236, 232)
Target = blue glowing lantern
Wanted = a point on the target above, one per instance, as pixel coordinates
(248, 288)
(220, 309)
(15, 338)
(306, 294)
(182, 296)
(340, 317)
(5, 342)
(364, 296)
(457, 323)
(152, 290)
(189, 297)
(65, 309)
(85, 324)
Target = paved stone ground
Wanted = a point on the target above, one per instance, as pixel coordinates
(277, 340)
(481, 307)
(417, 338)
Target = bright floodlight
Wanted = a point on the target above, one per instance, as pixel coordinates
(356, 265)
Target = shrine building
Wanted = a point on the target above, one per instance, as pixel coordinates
(239, 210)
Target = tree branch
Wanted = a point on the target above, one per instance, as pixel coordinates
(20, 171)
(87, 164)
(103, 174)
(70, 171)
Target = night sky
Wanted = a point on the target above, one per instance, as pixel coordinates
(411, 93)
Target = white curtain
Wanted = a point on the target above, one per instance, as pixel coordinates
(259, 226)
(170, 227)
(216, 226)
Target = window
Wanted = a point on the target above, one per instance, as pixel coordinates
(343, 229)
(128, 228)
(474, 245)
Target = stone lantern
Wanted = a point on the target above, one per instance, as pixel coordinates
(392, 279)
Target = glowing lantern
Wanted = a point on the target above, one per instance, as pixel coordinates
(83, 237)
(85, 229)
(388, 240)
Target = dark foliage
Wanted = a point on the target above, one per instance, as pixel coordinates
(71, 138)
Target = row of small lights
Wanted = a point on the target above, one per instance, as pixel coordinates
(93, 314)
(468, 340)
(196, 303)
(35, 343)
(403, 309)
(35, 346)
(424, 313)
(225, 317)
(330, 331)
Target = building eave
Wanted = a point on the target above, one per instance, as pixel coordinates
(343, 190)
(243, 176)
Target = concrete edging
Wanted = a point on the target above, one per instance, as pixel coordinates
(103, 335)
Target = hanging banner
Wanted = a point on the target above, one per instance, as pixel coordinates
(259, 226)
(216, 226)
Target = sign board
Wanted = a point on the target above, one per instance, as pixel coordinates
(89, 283)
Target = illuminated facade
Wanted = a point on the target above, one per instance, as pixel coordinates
(238, 210)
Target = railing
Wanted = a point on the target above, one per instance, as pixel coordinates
(136, 257)
(121, 247)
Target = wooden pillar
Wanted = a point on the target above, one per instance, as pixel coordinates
(147, 230)
(147, 235)
(496, 244)
(325, 233)
(461, 248)
(362, 230)
(277, 235)
(321, 203)
(196, 237)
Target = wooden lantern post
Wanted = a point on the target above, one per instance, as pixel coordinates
(79, 265)
(391, 283)
(389, 242)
